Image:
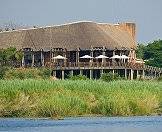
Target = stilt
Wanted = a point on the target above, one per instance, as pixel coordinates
(63, 74)
(32, 59)
(125, 71)
(71, 72)
(131, 74)
(113, 72)
(91, 74)
(101, 71)
(54, 73)
(81, 72)
(137, 77)
(42, 58)
(143, 74)
(23, 61)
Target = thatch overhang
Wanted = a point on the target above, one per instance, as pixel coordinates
(83, 35)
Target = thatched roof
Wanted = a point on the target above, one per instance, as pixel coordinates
(82, 35)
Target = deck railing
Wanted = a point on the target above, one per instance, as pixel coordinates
(109, 65)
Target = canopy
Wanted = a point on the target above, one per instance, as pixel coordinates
(124, 57)
(86, 57)
(116, 57)
(59, 57)
(101, 57)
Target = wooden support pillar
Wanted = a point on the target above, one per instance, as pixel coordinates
(113, 72)
(32, 58)
(54, 73)
(42, 58)
(155, 74)
(81, 72)
(125, 71)
(143, 74)
(23, 61)
(71, 72)
(65, 60)
(103, 53)
(63, 74)
(77, 56)
(159, 73)
(91, 74)
(101, 71)
(137, 74)
(131, 74)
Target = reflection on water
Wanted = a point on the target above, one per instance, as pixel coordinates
(95, 124)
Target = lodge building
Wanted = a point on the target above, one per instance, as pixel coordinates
(42, 46)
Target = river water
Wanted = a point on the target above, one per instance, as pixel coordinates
(84, 124)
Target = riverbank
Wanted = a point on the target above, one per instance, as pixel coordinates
(62, 98)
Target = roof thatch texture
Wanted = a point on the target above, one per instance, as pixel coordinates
(82, 35)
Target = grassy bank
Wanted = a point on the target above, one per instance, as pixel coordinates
(47, 98)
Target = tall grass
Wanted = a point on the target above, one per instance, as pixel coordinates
(47, 98)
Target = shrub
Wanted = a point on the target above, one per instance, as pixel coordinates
(28, 73)
(78, 77)
(3, 71)
(45, 73)
(110, 77)
(159, 78)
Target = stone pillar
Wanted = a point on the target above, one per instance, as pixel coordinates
(32, 58)
(63, 74)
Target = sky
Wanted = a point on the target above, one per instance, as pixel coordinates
(147, 14)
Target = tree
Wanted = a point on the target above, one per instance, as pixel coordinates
(140, 51)
(152, 53)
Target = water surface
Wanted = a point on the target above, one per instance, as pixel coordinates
(86, 124)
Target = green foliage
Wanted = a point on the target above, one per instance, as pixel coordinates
(27, 73)
(151, 52)
(9, 55)
(160, 78)
(48, 98)
(110, 77)
(78, 77)
(3, 71)
(140, 51)
(45, 73)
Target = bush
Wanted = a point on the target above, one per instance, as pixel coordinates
(110, 77)
(3, 71)
(78, 77)
(27, 73)
(160, 78)
(45, 73)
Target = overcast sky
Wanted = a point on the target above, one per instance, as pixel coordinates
(147, 14)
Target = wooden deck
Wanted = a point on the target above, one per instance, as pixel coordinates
(96, 65)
